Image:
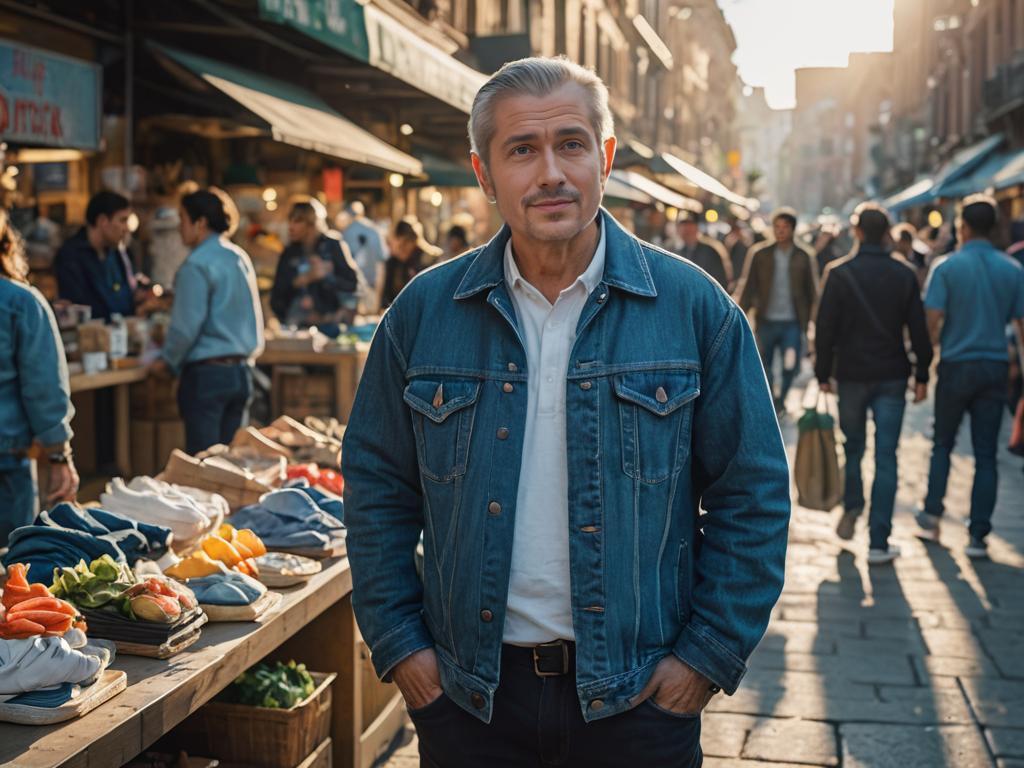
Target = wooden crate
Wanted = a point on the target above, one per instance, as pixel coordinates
(155, 399)
(262, 737)
(376, 695)
(301, 393)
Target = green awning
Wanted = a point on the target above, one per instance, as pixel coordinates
(296, 116)
(441, 172)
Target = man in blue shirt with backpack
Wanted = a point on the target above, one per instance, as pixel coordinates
(971, 296)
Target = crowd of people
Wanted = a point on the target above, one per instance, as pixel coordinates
(878, 313)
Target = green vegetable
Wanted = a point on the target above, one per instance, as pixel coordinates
(93, 585)
(277, 686)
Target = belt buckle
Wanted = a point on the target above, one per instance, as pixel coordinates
(565, 658)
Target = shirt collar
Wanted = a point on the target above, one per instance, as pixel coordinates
(590, 278)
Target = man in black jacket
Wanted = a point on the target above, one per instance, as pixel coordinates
(869, 297)
(317, 279)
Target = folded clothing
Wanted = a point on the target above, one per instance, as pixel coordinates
(68, 533)
(189, 513)
(47, 698)
(227, 589)
(296, 517)
(43, 662)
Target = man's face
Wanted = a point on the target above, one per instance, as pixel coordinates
(298, 230)
(114, 228)
(187, 227)
(689, 232)
(783, 230)
(545, 167)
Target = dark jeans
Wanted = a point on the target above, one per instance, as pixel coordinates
(978, 388)
(886, 400)
(785, 336)
(214, 402)
(17, 498)
(538, 722)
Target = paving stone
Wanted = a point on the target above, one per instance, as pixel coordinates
(731, 762)
(954, 666)
(805, 682)
(1006, 742)
(897, 746)
(878, 648)
(1007, 763)
(953, 642)
(996, 702)
(892, 629)
(798, 741)
(723, 735)
(895, 670)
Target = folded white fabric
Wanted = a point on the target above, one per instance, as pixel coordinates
(43, 662)
(189, 513)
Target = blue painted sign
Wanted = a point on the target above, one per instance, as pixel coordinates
(47, 99)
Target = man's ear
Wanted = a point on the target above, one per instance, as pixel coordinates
(482, 177)
(608, 157)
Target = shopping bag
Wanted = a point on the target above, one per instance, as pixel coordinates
(819, 481)
(1017, 430)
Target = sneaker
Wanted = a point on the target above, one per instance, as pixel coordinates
(927, 526)
(976, 549)
(846, 524)
(883, 556)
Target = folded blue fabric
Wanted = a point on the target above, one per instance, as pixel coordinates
(293, 518)
(66, 534)
(226, 589)
(50, 698)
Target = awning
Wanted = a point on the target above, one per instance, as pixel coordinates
(918, 193)
(296, 116)
(397, 50)
(652, 190)
(654, 42)
(964, 163)
(983, 178)
(441, 172)
(1011, 174)
(707, 182)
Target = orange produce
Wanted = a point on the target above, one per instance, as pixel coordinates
(44, 604)
(18, 589)
(251, 542)
(20, 629)
(220, 549)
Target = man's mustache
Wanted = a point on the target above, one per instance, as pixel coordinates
(562, 195)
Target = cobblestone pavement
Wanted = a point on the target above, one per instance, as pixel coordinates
(912, 665)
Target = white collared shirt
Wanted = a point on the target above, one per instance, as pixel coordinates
(539, 594)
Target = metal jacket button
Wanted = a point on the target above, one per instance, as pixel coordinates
(507, 387)
(494, 508)
(597, 705)
(502, 433)
(486, 615)
(512, 367)
(585, 385)
(477, 701)
(661, 396)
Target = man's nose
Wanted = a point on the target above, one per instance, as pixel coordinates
(552, 174)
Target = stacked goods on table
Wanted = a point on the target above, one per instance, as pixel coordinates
(189, 512)
(92, 345)
(273, 715)
(49, 669)
(222, 572)
(299, 520)
(154, 616)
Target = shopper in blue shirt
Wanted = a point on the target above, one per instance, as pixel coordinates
(35, 403)
(971, 297)
(94, 266)
(216, 323)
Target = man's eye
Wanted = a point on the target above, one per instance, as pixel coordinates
(521, 150)
(574, 145)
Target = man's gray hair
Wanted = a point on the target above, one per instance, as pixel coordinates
(536, 76)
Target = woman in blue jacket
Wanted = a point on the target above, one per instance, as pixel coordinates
(35, 400)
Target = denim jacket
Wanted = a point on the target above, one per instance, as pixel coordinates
(35, 400)
(678, 480)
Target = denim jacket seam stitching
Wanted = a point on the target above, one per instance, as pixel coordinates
(721, 335)
(730, 657)
(390, 331)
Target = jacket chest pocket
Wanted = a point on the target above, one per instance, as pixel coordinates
(442, 419)
(655, 414)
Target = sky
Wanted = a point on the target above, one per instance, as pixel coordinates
(776, 37)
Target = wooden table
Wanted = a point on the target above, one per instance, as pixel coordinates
(314, 624)
(347, 364)
(120, 380)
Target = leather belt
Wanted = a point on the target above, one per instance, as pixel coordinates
(552, 659)
(225, 360)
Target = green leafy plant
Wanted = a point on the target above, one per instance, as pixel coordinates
(277, 686)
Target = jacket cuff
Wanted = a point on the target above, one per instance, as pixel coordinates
(921, 376)
(398, 644)
(698, 648)
(58, 434)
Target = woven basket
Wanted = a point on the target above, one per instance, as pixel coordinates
(258, 736)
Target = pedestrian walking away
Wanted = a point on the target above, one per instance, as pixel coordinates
(868, 299)
(35, 399)
(216, 325)
(578, 424)
(971, 297)
(779, 284)
(705, 252)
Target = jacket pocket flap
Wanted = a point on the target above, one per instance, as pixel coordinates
(658, 392)
(439, 399)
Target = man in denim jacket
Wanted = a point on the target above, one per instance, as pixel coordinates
(579, 425)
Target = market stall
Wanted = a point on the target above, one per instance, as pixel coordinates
(120, 381)
(345, 363)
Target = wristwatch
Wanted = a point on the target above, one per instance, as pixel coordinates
(59, 457)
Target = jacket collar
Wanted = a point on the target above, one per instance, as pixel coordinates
(625, 265)
(867, 249)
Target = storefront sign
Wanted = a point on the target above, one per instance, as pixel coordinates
(397, 50)
(336, 23)
(47, 99)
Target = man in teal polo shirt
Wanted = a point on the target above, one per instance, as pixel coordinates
(971, 297)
